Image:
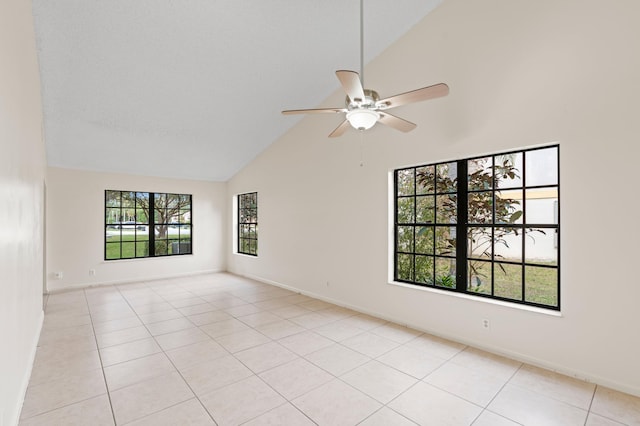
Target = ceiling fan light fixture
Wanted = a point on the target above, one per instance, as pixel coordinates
(362, 119)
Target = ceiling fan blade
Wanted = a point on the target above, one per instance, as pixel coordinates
(314, 111)
(340, 129)
(418, 95)
(351, 84)
(396, 122)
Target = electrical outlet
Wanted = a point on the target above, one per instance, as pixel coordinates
(486, 324)
(92, 272)
(58, 275)
(327, 283)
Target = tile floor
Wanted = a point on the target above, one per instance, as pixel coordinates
(220, 349)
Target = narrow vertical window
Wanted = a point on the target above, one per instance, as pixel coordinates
(248, 223)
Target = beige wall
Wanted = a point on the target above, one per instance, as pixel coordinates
(75, 229)
(521, 74)
(22, 170)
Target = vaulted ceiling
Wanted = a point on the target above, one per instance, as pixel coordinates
(194, 89)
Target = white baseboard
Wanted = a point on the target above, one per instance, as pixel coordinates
(131, 280)
(518, 356)
(27, 375)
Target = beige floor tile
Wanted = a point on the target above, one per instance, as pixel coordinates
(259, 318)
(209, 317)
(111, 315)
(364, 321)
(242, 340)
(338, 331)
(285, 414)
(188, 356)
(241, 401)
(129, 351)
(596, 420)
(311, 320)
(296, 378)
(386, 417)
(242, 310)
(316, 305)
(370, 344)
(211, 375)
(224, 328)
(425, 404)
(554, 385)
(473, 385)
(280, 329)
(47, 369)
(337, 359)
(122, 336)
(270, 305)
(169, 326)
(297, 298)
(141, 399)
(52, 321)
(498, 366)
(306, 342)
(379, 381)
(197, 309)
(59, 393)
(397, 333)
(63, 350)
(265, 357)
(155, 317)
(137, 370)
(487, 418)
(94, 411)
(436, 346)
(153, 307)
(415, 362)
(181, 338)
(290, 311)
(617, 406)
(184, 302)
(190, 413)
(336, 403)
(115, 325)
(226, 302)
(527, 407)
(62, 335)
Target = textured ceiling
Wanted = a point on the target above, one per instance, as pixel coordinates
(194, 88)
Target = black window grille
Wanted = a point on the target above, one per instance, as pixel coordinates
(248, 223)
(487, 226)
(146, 224)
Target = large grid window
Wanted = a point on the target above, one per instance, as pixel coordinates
(248, 223)
(487, 226)
(130, 216)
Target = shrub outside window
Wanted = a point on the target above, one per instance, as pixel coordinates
(130, 217)
(487, 226)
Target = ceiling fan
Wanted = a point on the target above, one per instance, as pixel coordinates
(364, 108)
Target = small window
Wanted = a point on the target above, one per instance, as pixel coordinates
(146, 224)
(248, 223)
(487, 226)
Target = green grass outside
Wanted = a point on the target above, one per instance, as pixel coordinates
(136, 249)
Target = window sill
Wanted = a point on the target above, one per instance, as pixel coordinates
(534, 309)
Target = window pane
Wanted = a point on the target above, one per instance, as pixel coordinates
(541, 285)
(507, 244)
(508, 170)
(424, 209)
(479, 243)
(404, 264)
(405, 182)
(142, 249)
(405, 239)
(128, 199)
(445, 240)
(162, 247)
(542, 206)
(141, 216)
(160, 201)
(445, 273)
(142, 233)
(424, 270)
(480, 207)
(173, 201)
(479, 276)
(424, 240)
(112, 216)
(425, 180)
(542, 167)
(185, 216)
(112, 251)
(112, 199)
(142, 200)
(446, 208)
(447, 177)
(540, 246)
(507, 281)
(405, 210)
(509, 206)
(128, 250)
(112, 233)
(185, 202)
(480, 174)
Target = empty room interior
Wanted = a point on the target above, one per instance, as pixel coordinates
(428, 234)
